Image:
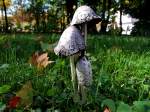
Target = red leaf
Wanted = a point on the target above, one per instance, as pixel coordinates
(14, 101)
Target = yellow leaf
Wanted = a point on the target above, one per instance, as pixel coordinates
(26, 94)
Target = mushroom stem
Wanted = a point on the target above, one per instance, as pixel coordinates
(82, 89)
(83, 93)
(85, 33)
(74, 77)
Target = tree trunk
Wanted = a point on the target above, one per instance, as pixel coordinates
(108, 8)
(120, 17)
(37, 21)
(104, 22)
(6, 20)
(69, 7)
(2, 19)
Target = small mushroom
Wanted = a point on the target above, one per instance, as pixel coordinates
(84, 76)
(72, 45)
(84, 72)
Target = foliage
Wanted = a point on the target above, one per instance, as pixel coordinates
(7, 3)
(120, 68)
(4, 89)
(137, 9)
(141, 28)
(54, 15)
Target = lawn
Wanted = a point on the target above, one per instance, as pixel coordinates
(120, 66)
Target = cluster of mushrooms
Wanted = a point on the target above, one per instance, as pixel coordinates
(72, 44)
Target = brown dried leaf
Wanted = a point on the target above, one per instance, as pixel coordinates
(40, 60)
(33, 58)
(42, 57)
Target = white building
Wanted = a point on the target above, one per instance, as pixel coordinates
(127, 22)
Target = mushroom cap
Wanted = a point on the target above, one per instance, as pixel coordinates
(84, 72)
(70, 42)
(84, 14)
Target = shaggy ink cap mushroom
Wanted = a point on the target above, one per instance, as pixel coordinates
(85, 14)
(84, 72)
(70, 42)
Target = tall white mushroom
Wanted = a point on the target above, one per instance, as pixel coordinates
(73, 44)
(82, 16)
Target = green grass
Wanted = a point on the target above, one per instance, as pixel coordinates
(120, 65)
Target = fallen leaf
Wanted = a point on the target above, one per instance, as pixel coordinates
(42, 57)
(33, 59)
(14, 101)
(26, 94)
(40, 60)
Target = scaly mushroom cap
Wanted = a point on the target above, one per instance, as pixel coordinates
(71, 42)
(84, 14)
(84, 72)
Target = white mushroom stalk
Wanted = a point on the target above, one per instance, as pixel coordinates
(73, 60)
(84, 32)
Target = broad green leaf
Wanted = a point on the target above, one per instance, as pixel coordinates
(38, 110)
(4, 89)
(123, 107)
(4, 66)
(2, 107)
(146, 87)
(141, 106)
(110, 104)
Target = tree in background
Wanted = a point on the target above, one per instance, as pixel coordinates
(120, 10)
(139, 9)
(37, 9)
(4, 4)
(70, 8)
(106, 6)
(54, 15)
